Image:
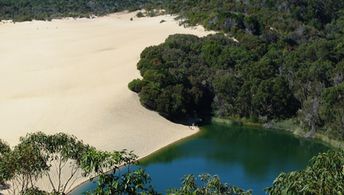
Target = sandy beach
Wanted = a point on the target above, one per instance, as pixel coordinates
(71, 75)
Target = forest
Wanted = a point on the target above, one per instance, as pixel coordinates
(270, 61)
(27, 10)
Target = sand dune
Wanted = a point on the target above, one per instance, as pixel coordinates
(71, 75)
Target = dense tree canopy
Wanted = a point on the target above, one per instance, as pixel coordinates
(286, 61)
(190, 76)
(22, 10)
(269, 18)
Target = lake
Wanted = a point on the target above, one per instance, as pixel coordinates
(250, 158)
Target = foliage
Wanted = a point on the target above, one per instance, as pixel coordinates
(58, 151)
(293, 19)
(121, 179)
(29, 161)
(39, 155)
(209, 185)
(23, 10)
(195, 77)
(285, 61)
(135, 85)
(324, 175)
(27, 164)
(96, 162)
(332, 110)
(5, 173)
(131, 182)
(35, 191)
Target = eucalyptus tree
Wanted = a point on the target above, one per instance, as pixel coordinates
(27, 165)
(61, 154)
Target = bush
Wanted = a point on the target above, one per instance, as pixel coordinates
(140, 15)
(135, 85)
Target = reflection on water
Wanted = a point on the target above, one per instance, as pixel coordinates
(247, 157)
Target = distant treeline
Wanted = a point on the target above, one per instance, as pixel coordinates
(24, 10)
(287, 63)
(290, 18)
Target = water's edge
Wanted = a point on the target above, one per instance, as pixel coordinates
(196, 132)
(297, 131)
(227, 122)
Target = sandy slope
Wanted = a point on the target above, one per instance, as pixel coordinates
(71, 75)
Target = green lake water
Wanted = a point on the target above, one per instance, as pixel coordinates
(246, 157)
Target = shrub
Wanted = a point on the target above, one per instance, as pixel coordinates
(135, 85)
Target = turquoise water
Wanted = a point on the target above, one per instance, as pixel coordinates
(246, 157)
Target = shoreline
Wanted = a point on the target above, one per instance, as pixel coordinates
(197, 130)
(241, 123)
(296, 131)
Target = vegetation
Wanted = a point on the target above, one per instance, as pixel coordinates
(210, 185)
(5, 174)
(55, 157)
(189, 76)
(285, 62)
(23, 10)
(25, 164)
(38, 155)
(269, 18)
(195, 77)
(324, 175)
(119, 180)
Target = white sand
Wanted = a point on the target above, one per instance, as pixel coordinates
(71, 76)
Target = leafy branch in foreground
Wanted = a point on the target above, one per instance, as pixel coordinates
(121, 179)
(324, 175)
